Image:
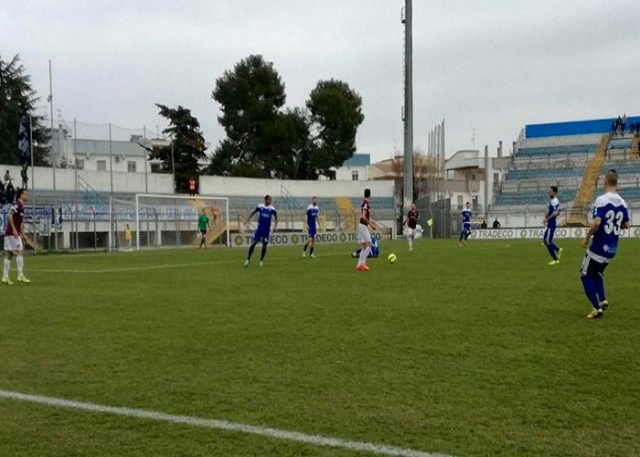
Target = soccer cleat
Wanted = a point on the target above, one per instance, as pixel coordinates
(354, 255)
(595, 314)
(312, 256)
(7, 281)
(365, 267)
(246, 263)
(23, 279)
(304, 254)
(559, 254)
(261, 264)
(361, 268)
(554, 262)
(604, 305)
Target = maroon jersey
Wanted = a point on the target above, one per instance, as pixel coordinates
(412, 219)
(17, 209)
(366, 207)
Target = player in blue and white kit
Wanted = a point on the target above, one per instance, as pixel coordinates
(312, 225)
(610, 217)
(465, 233)
(550, 219)
(263, 232)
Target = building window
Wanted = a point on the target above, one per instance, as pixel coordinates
(131, 167)
(101, 165)
(354, 176)
(460, 202)
(79, 164)
(496, 177)
(473, 177)
(155, 168)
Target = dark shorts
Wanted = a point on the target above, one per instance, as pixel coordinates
(203, 232)
(261, 236)
(311, 233)
(592, 268)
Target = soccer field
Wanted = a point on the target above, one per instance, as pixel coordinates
(480, 351)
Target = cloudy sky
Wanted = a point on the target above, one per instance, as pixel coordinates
(489, 66)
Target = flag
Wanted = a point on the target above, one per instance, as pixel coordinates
(24, 138)
(429, 222)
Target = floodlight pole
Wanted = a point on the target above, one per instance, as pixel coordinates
(408, 106)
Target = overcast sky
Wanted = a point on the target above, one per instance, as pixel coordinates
(488, 65)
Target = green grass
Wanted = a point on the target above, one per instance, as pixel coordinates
(482, 351)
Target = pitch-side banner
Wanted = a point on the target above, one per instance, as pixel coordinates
(533, 233)
(298, 238)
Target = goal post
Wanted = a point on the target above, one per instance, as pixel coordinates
(171, 221)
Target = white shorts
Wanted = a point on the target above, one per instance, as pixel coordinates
(363, 234)
(12, 243)
(411, 232)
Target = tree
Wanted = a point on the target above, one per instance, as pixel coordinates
(16, 95)
(187, 143)
(250, 97)
(336, 114)
(266, 140)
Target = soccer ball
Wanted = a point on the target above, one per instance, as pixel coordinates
(392, 258)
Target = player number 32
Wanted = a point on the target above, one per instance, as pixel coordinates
(614, 222)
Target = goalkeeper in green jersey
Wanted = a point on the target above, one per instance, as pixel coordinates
(203, 226)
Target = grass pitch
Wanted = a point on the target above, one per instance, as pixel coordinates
(481, 351)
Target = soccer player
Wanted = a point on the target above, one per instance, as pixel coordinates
(203, 225)
(364, 237)
(13, 237)
(465, 233)
(312, 224)
(375, 249)
(550, 222)
(412, 223)
(265, 212)
(128, 237)
(610, 217)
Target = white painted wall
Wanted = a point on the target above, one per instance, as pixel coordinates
(346, 173)
(218, 185)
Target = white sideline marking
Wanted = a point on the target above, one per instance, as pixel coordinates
(286, 435)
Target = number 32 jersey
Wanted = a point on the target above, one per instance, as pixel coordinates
(612, 211)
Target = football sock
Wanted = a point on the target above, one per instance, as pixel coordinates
(410, 243)
(263, 253)
(6, 267)
(461, 236)
(304, 248)
(598, 282)
(20, 263)
(367, 251)
(590, 291)
(362, 257)
(251, 249)
(552, 250)
(311, 250)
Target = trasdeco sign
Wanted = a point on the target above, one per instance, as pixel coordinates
(293, 239)
(532, 233)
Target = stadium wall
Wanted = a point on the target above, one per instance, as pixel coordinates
(573, 127)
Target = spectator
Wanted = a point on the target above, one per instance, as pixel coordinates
(7, 176)
(496, 224)
(10, 192)
(623, 123)
(483, 225)
(192, 187)
(214, 210)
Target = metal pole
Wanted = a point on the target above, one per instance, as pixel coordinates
(486, 181)
(408, 106)
(146, 177)
(53, 162)
(173, 167)
(110, 163)
(75, 152)
(33, 200)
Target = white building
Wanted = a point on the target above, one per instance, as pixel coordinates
(473, 177)
(354, 169)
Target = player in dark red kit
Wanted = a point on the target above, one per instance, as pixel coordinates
(13, 237)
(412, 223)
(364, 237)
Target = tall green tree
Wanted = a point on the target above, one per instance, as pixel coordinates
(17, 93)
(263, 139)
(188, 146)
(336, 114)
(250, 97)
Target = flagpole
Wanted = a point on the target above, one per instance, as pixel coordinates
(53, 162)
(33, 200)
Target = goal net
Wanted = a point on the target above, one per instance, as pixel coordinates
(171, 221)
